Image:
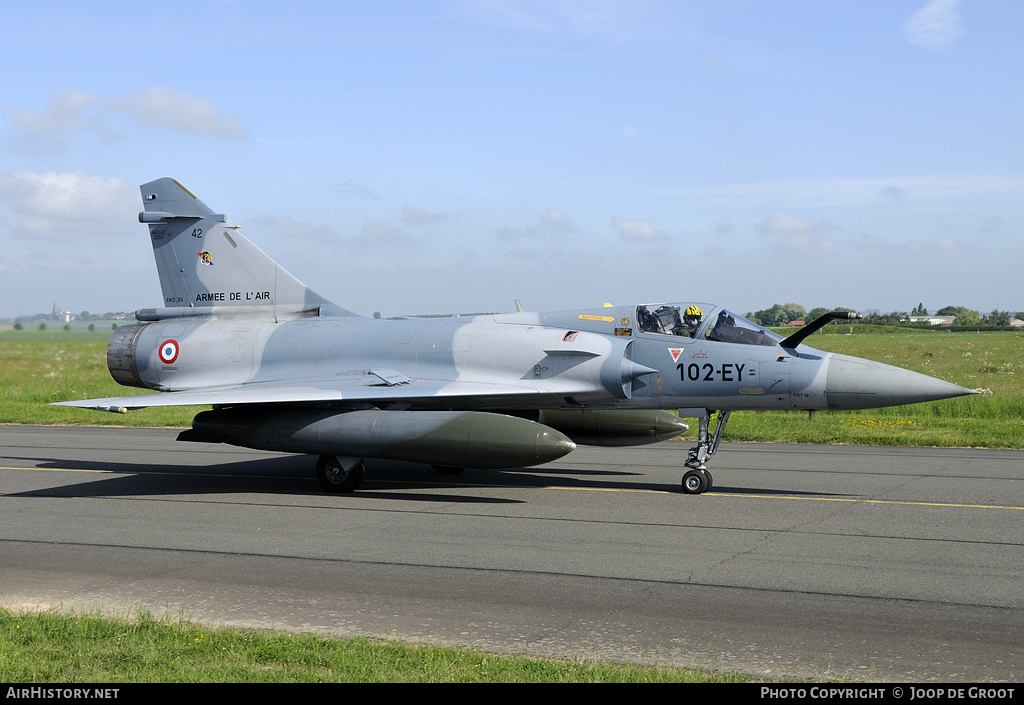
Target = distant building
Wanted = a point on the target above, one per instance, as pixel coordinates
(934, 320)
(795, 324)
(59, 315)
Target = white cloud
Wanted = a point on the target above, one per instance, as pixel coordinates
(936, 26)
(66, 112)
(556, 221)
(845, 192)
(929, 247)
(797, 236)
(803, 244)
(353, 188)
(178, 111)
(508, 232)
(418, 216)
(323, 242)
(61, 206)
(610, 19)
(637, 230)
(71, 112)
(378, 234)
(991, 226)
(290, 230)
(779, 223)
(551, 222)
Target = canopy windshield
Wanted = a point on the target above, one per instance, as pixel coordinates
(727, 327)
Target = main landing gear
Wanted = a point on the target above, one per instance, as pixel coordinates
(697, 479)
(338, 473)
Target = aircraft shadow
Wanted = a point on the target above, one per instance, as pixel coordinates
(294, 475)
(291, 475)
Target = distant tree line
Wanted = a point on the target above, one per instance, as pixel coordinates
(784, 314)
(84, 315)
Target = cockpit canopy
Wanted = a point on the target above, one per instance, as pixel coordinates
(667, 320)
(702, 321)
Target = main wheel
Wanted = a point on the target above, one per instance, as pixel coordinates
(695, 482)
(335, 478)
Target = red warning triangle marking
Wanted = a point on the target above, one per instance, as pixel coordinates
(675, 353)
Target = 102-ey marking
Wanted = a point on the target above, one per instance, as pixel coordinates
(728, 372)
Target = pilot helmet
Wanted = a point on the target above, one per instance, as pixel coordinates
(693, 315)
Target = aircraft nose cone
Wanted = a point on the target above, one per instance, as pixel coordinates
(854, 383)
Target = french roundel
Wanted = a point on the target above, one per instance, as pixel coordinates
(169, 351)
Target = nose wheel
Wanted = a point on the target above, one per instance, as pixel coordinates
(697, 481)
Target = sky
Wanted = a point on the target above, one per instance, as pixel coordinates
(455, 155)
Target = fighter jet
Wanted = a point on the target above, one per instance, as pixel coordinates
(284, 369)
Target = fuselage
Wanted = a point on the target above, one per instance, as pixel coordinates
(617, 357)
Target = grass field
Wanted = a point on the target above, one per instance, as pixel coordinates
(58, 648)
(41, 367)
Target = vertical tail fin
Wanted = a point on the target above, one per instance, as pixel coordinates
(204, 262)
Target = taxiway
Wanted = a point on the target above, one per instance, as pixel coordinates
(813, 562)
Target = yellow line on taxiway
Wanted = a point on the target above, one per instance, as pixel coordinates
(724, 495)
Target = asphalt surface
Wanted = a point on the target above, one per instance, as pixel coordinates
(803, 562)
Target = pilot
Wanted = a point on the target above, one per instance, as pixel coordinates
(691, 320)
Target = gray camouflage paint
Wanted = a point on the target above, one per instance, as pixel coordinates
(236, 330)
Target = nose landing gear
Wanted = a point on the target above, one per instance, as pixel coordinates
(697, 479)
